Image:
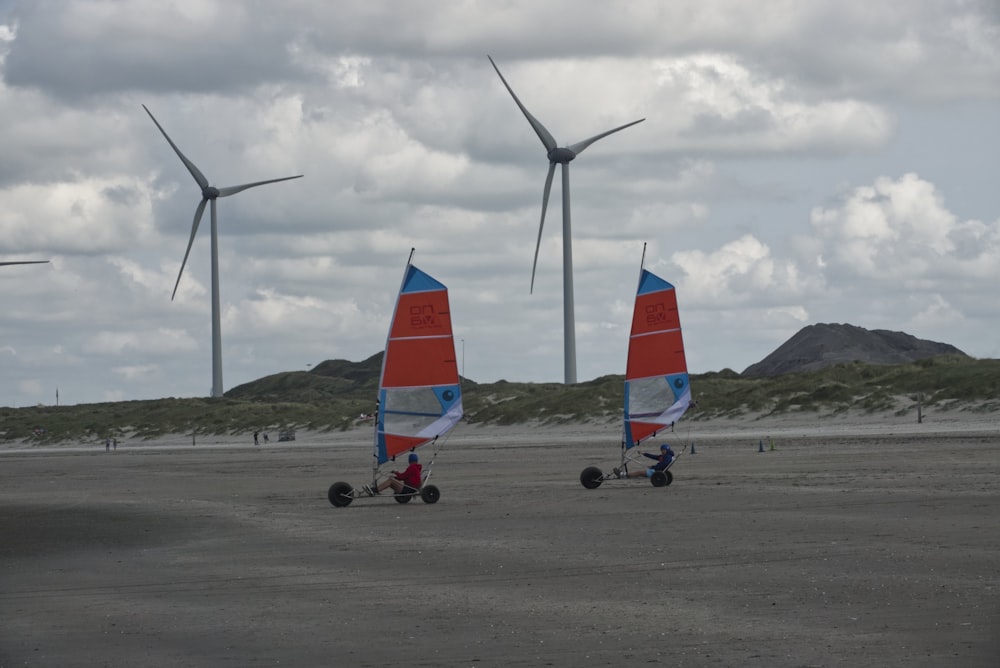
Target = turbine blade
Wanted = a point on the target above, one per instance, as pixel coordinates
(541, 223)
(4, 264)
(195, 172)
(232, 190)
(579, 146)
(547, 140)
(194, 230)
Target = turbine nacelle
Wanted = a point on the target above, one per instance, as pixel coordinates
(210, 192)
(561, 155)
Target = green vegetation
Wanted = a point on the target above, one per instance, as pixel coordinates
(331, 396)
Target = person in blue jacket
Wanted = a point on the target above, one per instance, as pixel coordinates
(663, 461)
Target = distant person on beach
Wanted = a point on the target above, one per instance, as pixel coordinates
(663, 461)
(107, 445)
(409, 480)
(266, 439)
(114, 444)
(255, 439)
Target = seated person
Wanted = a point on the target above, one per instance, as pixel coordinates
(663, 461)
(409, 480)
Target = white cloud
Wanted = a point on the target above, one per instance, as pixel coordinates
(742, 271)
(718, 103)
(160, 342)
(87, 216)
(899, 231)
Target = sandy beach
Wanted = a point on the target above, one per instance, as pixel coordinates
(849, 541)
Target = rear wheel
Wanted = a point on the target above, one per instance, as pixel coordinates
(661, 478)
(404, 495)
(340, 494)
(430, 494)
(591, 477)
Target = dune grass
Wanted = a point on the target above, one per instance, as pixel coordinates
(333, 395)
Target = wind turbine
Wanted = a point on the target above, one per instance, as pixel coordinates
(209, 194)
(560, 156)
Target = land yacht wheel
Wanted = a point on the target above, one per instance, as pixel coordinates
(430, 494)
(340, 494)
(661, 478)
(591, 477)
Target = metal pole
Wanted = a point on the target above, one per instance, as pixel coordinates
(216, 317)
(569, 319)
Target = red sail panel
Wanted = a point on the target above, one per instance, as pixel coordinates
(422, 314)
(640, 431)
(420, 351)
(420, 362)
(656, 354)
(655, 312)
(396, 444)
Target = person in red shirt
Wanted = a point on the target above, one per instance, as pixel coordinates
(410, 479)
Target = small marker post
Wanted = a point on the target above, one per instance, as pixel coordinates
(760, 446)
(692, 448)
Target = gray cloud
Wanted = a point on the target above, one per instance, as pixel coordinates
(798, 163)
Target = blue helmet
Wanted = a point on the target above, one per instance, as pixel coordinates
(664, 447)
(413, 457)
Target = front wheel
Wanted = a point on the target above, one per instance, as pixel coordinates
(340, 494)
(430, 494)
(591, 477)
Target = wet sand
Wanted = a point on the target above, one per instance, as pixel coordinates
(854, 542)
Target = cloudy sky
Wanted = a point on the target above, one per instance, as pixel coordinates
(799, 163)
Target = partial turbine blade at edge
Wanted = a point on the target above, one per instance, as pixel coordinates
(195, 172)
(541, 223)
(232, 190)
(578, 147)
(194, 230)
(4, 264)
(547, 139)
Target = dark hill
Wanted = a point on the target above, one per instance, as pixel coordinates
(327, 380)
(362, 374)
(819, 346)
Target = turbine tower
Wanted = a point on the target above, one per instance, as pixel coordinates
(209, 194)
(560, 156)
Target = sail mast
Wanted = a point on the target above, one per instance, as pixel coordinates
(380, 408)
(625, 445)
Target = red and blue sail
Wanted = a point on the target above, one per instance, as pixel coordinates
(419, 393)
(657, 390)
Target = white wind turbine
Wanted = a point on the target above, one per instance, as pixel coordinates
(209, 194)
(561, 156)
